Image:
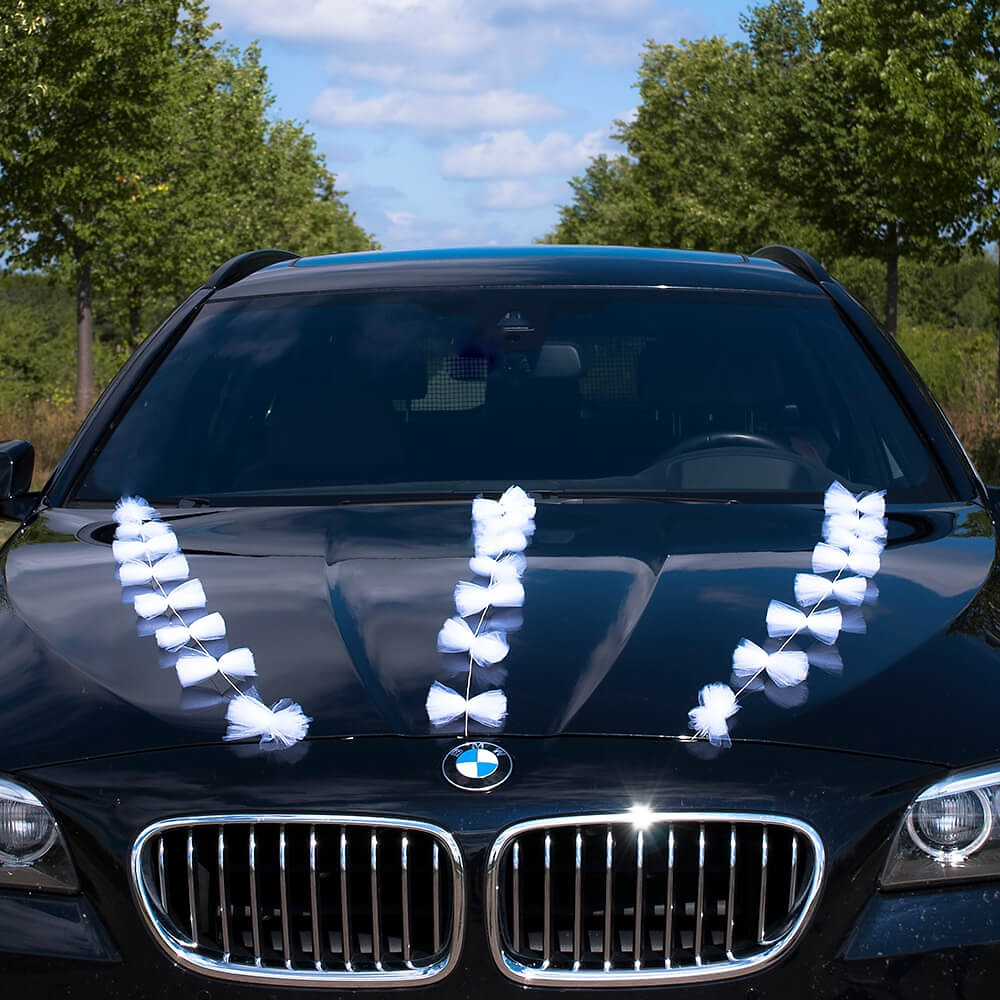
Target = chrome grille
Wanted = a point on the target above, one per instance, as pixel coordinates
(641, 898)
(304, 900)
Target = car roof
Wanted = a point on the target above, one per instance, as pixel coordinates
(520, 266)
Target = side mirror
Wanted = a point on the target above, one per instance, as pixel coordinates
(17, 463)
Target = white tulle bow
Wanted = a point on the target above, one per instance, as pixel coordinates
(494, 542)
(471, 598)
(861, 559)
(141, 530)
(811, 589)
(457, 637)
(165, 570)
(784, 620)
(844, 531)
(148, 550)
(193, 668)
(840, 500)
(133, 510)
(716, 703)
(187, 596)
(203, 629)
(509, 567)
(785, 667)
(445, 705)
(281, 725)
(514, 509)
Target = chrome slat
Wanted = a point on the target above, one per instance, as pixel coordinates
(516, 895)
(436, 864)
(405, 894)
(224, 914)
(317, 941)
(762, 915)
(578, 899)
(161, 870)
(668, 923)
(547, 905)
(699, 909)
(637, 930)
(286, 938)
(794, 875)
(608, 890)
(731, 898)
(254, 910)
(376, 921)
(345, 907)
(192, 896)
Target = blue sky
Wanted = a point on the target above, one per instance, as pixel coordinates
(459, 122)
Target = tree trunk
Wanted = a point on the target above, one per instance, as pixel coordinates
(892, 282)
(134, 316)
(84, 341)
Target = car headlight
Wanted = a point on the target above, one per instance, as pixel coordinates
(33, 854)
(949, 833)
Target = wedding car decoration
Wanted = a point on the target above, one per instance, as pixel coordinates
(171, 606)
(501, 531)
(854, 535)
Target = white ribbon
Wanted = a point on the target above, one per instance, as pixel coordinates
(457, 637)
(188, 595)
(203, 629)
(510, 567)
(717, 702)
(143, 531)
(810, 589)
(165, 570)
(193, 668)
(138, 550)
(784, 620)
(494, 542)
(445, 704)
(860, 558)
(283, 724)
(785, 668)
(840, 500)
(514, 509)
(471, 598)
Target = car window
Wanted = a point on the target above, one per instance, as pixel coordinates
(749, 395)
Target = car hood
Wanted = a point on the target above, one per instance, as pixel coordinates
(630, 608)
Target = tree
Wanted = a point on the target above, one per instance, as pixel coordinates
(882, 143)
(79, 109)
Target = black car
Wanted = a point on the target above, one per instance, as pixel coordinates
(547, 619)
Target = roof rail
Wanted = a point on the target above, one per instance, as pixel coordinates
(246, 263)
(795, 260)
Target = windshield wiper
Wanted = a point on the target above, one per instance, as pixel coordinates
(639, 496)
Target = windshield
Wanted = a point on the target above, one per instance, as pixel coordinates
(573, 390)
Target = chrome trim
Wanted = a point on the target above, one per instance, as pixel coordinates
(317, 948)
(185, 956)
(637, 929)
(699, 906)
(224, 915)
(761, 914)
(707, 972)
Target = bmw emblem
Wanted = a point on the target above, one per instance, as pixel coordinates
(477, 767)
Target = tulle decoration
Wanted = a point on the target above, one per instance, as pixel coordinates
(783, 620)
(500, 530)
(148, 555)
(855, 532)
(195, 667)
(457, 637)
(812, 589)
(510, 567)
(471, 598)
(785, 668)
(204, 629)
(281, 725)
(165, 570)
(859, 558)
(133, 510)
(188, 596)
(445, 705)
(716, 704)
(840, 500)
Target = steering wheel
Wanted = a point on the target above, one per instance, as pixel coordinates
(725, 439)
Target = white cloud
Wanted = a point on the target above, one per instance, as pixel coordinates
(409, 231)
(514, 153)
(409, 77)
(515, 194)
(433, 112)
